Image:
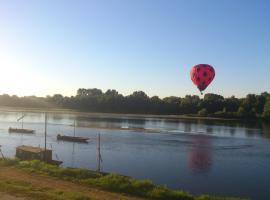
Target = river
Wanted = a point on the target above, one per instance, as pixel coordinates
(217, 157)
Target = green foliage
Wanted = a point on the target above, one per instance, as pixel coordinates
(266, 110)
(202, 112)
(117, 183)
(207, 197)
(52, 170)
(212, 103)
(94, 100)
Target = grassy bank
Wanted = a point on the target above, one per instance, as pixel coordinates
(109, 182)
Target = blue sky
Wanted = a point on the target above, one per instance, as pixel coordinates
(49, 47)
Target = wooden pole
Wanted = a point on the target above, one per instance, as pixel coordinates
(45, 156)
(22, 120)
(99, 155)
(74, 128)
(2, 153)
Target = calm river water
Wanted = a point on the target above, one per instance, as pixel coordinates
(199, 156)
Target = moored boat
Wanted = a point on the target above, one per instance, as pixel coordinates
(20, 130)
(72, 138)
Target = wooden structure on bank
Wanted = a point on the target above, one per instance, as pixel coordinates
(36, 153)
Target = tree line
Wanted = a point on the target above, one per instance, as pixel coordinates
(95, 100)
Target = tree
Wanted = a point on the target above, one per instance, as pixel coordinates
(88, 92)
(190, 104)
(212, 103)
(138, 102)
(266, 110)
(172, 105)
(93, 99)
(58, 100)
(202, 112)
(157, 105)
(231, 104)
(259, 104)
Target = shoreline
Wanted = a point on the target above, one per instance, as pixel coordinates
(111, 115)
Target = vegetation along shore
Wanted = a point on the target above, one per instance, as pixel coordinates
(95, 100)
(37, 180)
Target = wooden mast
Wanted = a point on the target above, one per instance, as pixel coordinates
(45, 157)
(99, 154)
(74, 127)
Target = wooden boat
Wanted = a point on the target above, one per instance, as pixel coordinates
(72, 138)
(20, 130)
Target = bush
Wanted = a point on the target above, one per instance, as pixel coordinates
(56, 171)
(203, 112)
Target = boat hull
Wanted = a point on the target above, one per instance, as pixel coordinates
(21, 130)
(72, 138)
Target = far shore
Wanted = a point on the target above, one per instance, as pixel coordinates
(111, 115)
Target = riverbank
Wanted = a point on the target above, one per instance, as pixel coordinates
(110, 115)
(37, 180)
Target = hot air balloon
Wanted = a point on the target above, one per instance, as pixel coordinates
(202, 75)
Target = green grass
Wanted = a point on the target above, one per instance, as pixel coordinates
(109, 182)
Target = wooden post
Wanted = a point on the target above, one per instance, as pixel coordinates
(22, 120)
(74, 128)
(45, 156)
(99, 155)
(2, 153)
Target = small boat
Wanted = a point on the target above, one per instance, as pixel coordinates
(21, 130)
(72, 138)
(55, 162)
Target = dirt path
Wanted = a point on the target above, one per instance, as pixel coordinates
(47, 183)
(9, 197)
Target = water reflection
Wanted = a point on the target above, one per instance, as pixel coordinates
(200, 154)
(209, 129)
(232, 131)
(266, 129)
(187, 127)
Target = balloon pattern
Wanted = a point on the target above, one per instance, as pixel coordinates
(202, 75)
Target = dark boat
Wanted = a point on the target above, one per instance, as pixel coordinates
(72, 138)
(21, 130)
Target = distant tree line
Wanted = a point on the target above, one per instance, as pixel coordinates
(94, 100)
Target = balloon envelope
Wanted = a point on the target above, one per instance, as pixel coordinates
(202, 75)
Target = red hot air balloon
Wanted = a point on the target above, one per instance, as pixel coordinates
(202, 75)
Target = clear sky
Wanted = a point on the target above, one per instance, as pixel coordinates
(55, 46)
